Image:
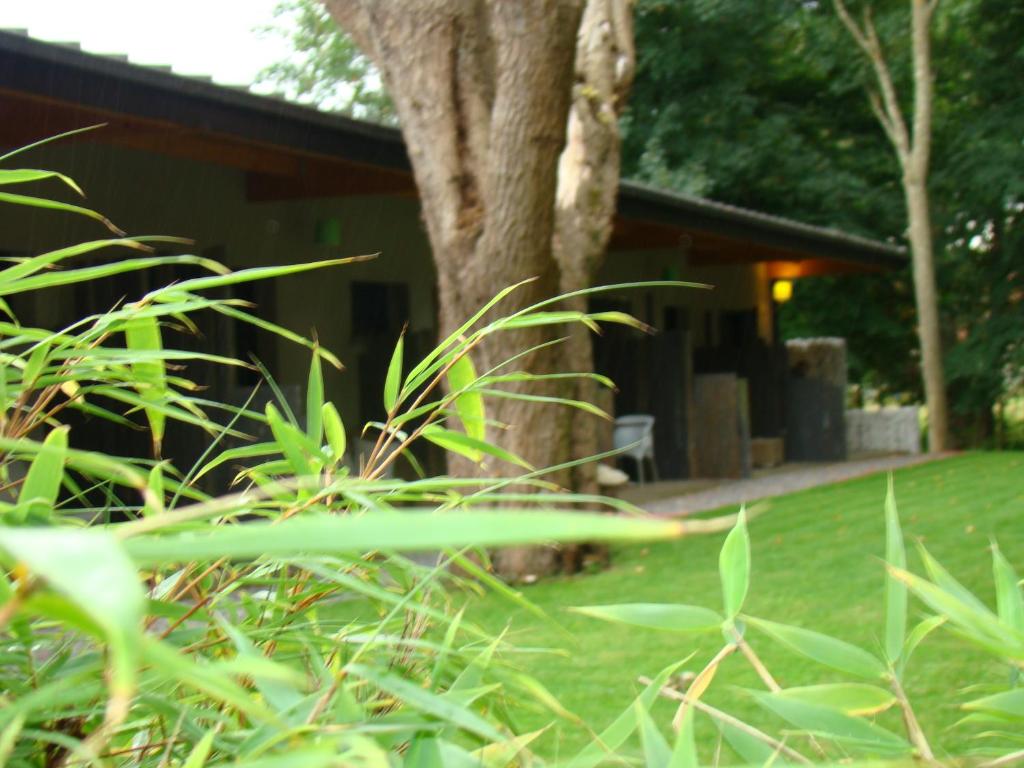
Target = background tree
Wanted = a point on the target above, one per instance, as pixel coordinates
(913, 151)
(785, 128)
(327, 69)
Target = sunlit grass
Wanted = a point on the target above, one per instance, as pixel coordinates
(816, 563)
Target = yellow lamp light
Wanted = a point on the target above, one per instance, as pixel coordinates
(782, 291)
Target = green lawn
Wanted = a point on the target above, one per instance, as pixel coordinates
(815, 563)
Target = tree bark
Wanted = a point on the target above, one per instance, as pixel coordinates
(482, 90)
(913, 150)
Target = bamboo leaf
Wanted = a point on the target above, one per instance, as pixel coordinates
(150, 375)
(200, 752)
(854, 699)
(836, 726)
(969, 616)
(27, 175)
(93, 571)
(38, 496)
(657, 752)
(684, 753)
(1005, 704)
(668, 617)
(315, 401)
(734, 567)
(54, 205)
(335, 431)
(397, 531)
(469, 404)
(917, 635)
(614, 736)
(823, 649)
(394, 376)
(895, 590)
(470, 447)
(290, 442)
(423, 700)
(1009, 599)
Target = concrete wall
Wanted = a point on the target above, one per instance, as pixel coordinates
(888, 430)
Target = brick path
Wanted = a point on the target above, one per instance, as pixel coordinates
(778, 483)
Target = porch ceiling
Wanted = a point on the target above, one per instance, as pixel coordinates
(289, 151)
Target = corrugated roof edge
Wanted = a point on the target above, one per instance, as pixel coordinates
(634, 196)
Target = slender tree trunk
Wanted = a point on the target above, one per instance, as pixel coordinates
(913, 150)
(926, 297)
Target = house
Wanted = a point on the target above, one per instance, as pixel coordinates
(257, 180)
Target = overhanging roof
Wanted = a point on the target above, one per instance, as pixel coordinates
(291, 150)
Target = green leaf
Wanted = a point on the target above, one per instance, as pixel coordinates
(423, 700)
(469, 404)
(290, 441)
(150, 374)
(684, 753)
(92, 570)
(657, 753)
(315, 400)
(855, 699)
(197, 757)
(614, 736)
(155, 501)
(398, 531)
(823, 649)
(54, 205)
(255, 450)
(751, 750)
(470, 447)
(734, 567)
(975, 622)
(394, 377)
(1009, 599)
(168, 662)
(9, 737)
(895, 590)
(1006, 704)
(335, 431)
(38, 496)
(27, 175)
(836, 726)
(501, 754)
(34, 365)
(917, 635)
(664, 616)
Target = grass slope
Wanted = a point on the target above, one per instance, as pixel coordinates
(816, 563)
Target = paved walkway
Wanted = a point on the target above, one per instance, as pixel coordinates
(777, 483)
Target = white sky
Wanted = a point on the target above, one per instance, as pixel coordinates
(195, 37)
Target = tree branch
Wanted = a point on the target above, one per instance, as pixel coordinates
(867, 39)
(717, 714)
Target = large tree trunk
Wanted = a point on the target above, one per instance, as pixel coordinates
(482, 91)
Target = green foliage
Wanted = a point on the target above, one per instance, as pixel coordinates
(327, 69)
(275, 623)
(786, 128)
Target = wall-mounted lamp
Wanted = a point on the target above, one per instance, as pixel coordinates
(782, 291)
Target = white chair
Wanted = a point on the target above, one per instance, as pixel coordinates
(635, 434)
